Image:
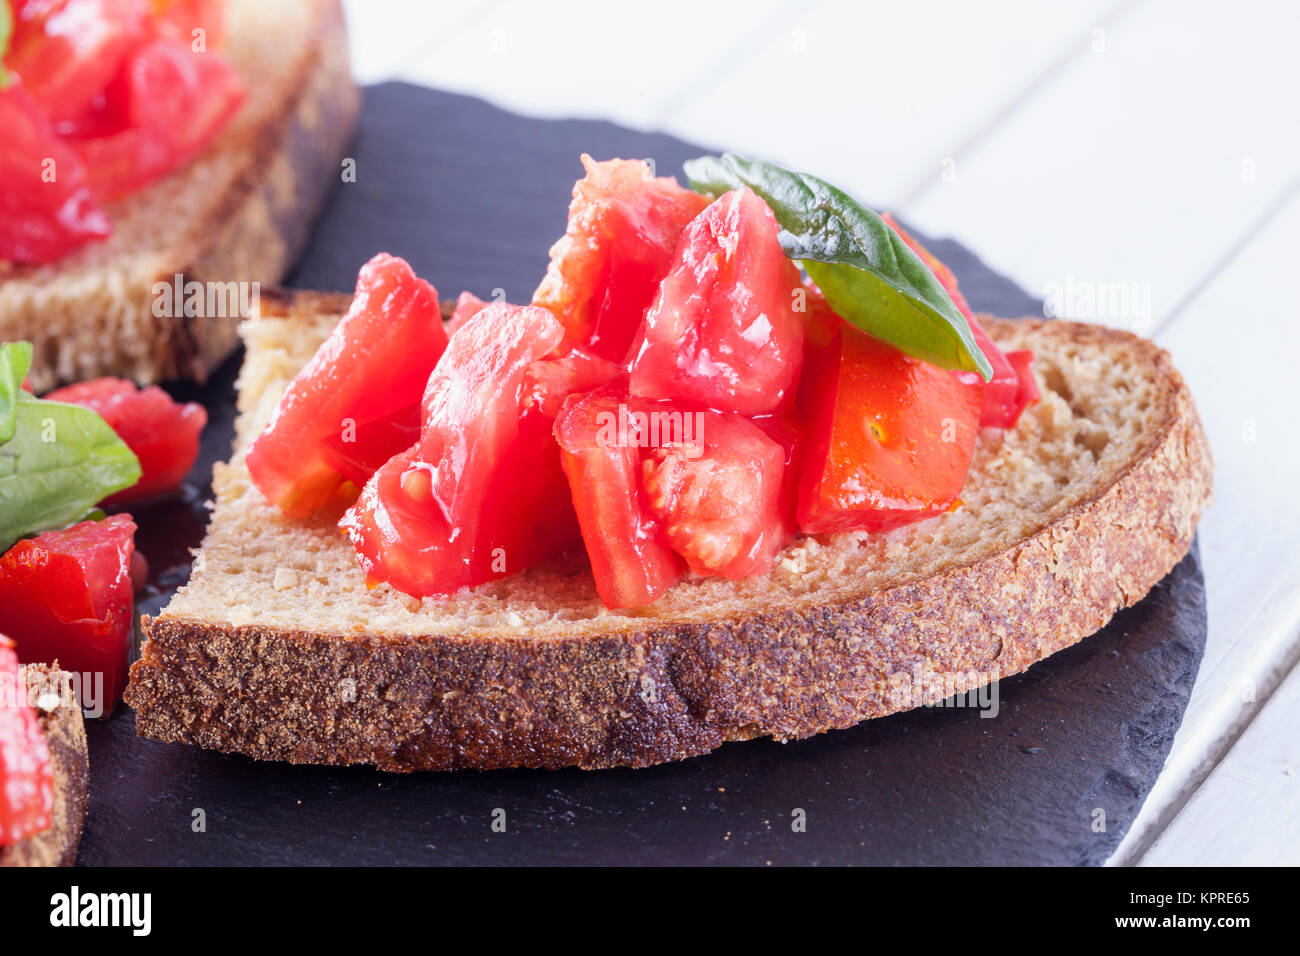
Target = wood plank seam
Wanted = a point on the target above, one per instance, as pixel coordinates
(1214, 756)
(470, 18)
(1234, 250)
(728, 61)
(1016, 102)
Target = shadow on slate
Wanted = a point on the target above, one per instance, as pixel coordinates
(473, 197)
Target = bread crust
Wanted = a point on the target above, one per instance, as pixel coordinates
(676, 690)
(65, 732)
(255, 231)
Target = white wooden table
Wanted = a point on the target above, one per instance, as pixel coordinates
(1083, 146)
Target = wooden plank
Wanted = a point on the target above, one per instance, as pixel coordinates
(589, 58)
(1248, 812)
(386, 34)
(700, 72)
(1139, 165)
(871, 96)
(1239, 355)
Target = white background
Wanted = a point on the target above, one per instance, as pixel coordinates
(1153, 146)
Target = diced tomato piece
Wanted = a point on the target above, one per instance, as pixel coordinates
(630, 556)
(463, 505)
(1022, 360)
(398, 531)
(623, 227)
(178, 19)
(549, 382)
(67, 51)
(66, 596)
(139, 572)
(718, 496)
(164, 434)
(358, 452)
(106, 97)
(46, 207)
(889, 437)
(551, 512)
(468, 305)
(168, 104)
(26, 774)
(998, 407)
(348, 410)
(1002, 393)
(722, 332)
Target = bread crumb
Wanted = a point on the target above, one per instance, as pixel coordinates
(285, 578)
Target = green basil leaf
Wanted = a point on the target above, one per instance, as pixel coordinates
(15, 362)
(61, 462)
(867, 273)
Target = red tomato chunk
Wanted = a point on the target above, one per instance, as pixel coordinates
(623, 227)
(722, 332)
(67, 51)
(357, 403)
(549, 382)
(67, 596)
(464, 504)
(468, 305)
(164, 434)
(103, 97)
(889, 437)
(46, 206)
(652, 480)
(26, 775)
(161, 111)
(719, 498)
(631, 558)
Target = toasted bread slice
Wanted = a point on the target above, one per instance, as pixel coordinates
(65, 732)
(278, 650)
(241, 212)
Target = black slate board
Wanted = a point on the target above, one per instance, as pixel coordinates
(473, 196)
